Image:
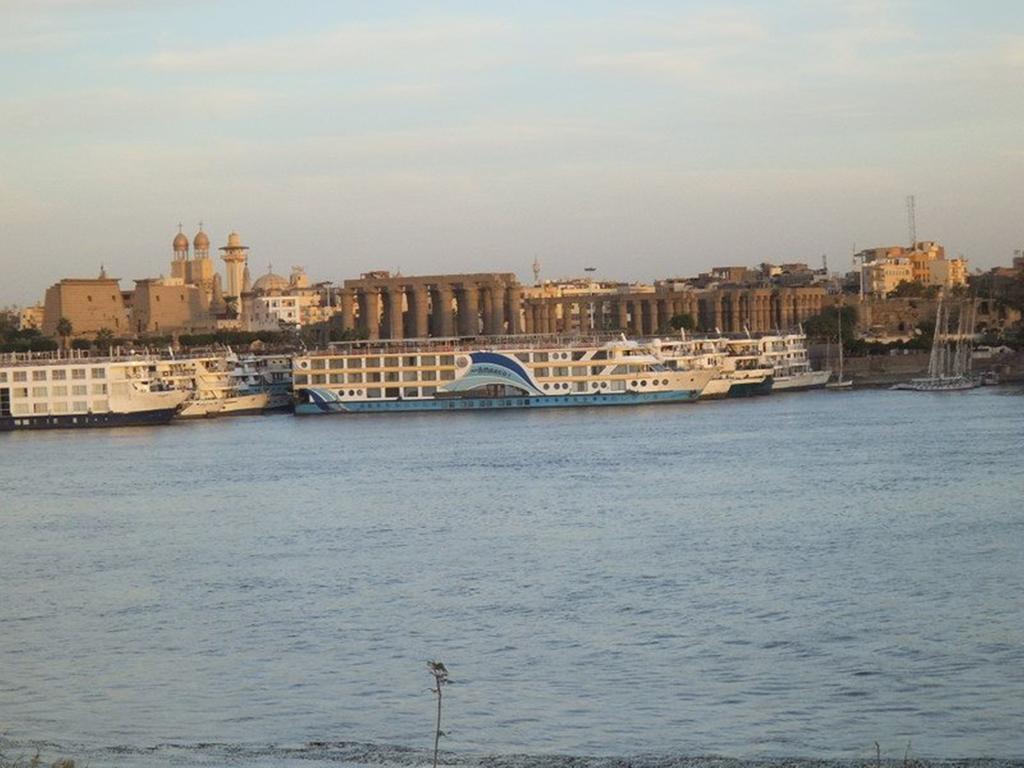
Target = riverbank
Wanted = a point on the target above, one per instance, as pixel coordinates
(884, 370)
(347, 754)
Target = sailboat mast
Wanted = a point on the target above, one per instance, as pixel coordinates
(839, 327)
(933, 358)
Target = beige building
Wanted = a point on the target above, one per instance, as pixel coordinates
(275, 302)
(926, 263)
(947, 273)
(169, 306)
(882, 277)
(90, 305)
(31, 317)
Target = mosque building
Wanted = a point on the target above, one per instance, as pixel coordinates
(275, 302)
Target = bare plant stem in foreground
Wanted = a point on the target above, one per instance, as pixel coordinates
(440, 673)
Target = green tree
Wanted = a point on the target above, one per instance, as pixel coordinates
(104, 337)
(684, 321)
(825, 326)
(64, 330)
(907, 289)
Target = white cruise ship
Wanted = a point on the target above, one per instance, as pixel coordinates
(447, 376)
(212, 386)
(738, 372)
(786, 355)
(83, 392)
(269, 374)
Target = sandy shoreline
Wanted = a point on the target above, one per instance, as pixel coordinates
(314, 754)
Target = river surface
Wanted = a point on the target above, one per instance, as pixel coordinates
(799, 575)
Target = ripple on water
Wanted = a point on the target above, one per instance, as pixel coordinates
(785, 576)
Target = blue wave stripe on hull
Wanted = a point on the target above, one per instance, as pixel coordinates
(503, 403)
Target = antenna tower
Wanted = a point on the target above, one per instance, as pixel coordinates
(912, 221)
(536, 270)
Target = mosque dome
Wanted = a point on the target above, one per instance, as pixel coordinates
(180, 242)
(201, 242)
(270, 282)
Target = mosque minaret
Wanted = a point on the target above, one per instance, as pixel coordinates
(235, 256)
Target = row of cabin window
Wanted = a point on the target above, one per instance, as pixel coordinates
(377, 392)
(57, 391)
(373, 377)
(391, 361)
(78, 406)
(55, 374)
(412, 361)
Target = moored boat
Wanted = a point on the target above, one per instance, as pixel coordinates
(81, 392)
(212, 387)
(786, 355)
(949, 364)
(449, 376)
(738, 372)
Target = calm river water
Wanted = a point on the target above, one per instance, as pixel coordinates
(799, 575)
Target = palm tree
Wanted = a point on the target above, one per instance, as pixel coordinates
(64, 330)
(104, 337)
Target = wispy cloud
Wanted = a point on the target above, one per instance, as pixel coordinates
(82, 112)
(436, 42)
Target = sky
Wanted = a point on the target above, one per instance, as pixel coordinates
(646, 139)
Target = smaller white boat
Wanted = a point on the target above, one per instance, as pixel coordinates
(212, 386)
(786, 355)
(949, 365)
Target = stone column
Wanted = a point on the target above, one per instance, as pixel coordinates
(369, 313)
(487, 309)
(621, 315)
(419, 311)
(567, 316)
(514, 299)
(552, 307)
(655, 318)
(393, 296)
(636, 317)
(498, 296)
(348, 314)
(443, 325)
(469, 311)
(734, 298)
(719, 299)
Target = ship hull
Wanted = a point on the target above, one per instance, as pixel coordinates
(448, 404)
(939, 384)
(720, 389)
(240, 405)
(87, 420)
(799, 382)
(751, 388)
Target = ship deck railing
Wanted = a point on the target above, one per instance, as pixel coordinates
(436, 344)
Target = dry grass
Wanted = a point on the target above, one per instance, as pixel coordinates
(34, 762)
